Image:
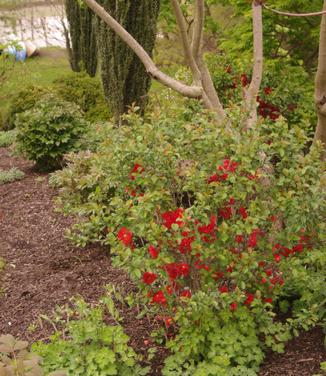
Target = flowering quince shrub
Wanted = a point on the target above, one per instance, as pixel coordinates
(278, 96)
(210, 222)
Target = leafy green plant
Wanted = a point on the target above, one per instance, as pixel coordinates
(86, 345)
(205, 215)
(11, 175)
(7, 138)
(22, 101)
(49, 130)
(85, 91)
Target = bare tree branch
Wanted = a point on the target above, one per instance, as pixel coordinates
(257, 73)
(320, 85)
(185, 90)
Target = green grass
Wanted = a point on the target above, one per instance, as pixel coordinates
(41, 71)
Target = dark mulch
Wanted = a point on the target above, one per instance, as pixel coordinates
(44, 270)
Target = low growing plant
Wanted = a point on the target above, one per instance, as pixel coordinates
(11, 175)
(49, 130)
(7, 138)
(87, 346)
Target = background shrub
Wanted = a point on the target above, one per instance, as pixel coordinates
(22, 101)
(49, 130)
(85, 91)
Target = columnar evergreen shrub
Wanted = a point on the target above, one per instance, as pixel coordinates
(125, 80)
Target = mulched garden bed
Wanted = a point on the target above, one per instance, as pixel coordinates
(44, 270)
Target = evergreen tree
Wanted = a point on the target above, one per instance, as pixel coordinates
(83, 52)
(124, 77)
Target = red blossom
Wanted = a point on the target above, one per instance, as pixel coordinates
(233, 306)
(159, 298)
(225, 213)
(239, 239)
(125, 236)
(268, 90)
(175, 270)
(243, 213)
(252, 241)
(154, 252)
(149, 278)
(277, 257)
(218, 275)
(137, 169)
(244, 80)
(268, 300)
(186, 294)
(172, 217)
(250, 298)
(185, 245)
(223, 289)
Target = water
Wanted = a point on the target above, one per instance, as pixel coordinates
(42, 24)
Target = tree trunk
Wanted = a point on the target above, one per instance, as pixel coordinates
(320, 86)
(124, 76)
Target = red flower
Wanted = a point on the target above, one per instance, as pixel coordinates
(239, 239)
(149, 278)
(228, 166)
(213, 179)
(225, 213)
(125, 236)
(243, 213)
(185, 245)
(277, 257)
(249, 300)
(172, 217)
(252, 241)
(218, 275)
(263, 280)
(159, 298)
(244, 80)
(137, 169)
(233, 306)
(268, 300)
(261, 264)
(269, 272)
(232, 201)
(186, 294)
(268, 90)
(223, 289)
(168, 321)
(154, 252)
(208, 229)
(175, 270)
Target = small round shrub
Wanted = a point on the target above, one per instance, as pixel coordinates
(22, 101)
(49, 130)
(85, 91)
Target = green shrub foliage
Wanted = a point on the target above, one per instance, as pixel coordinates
(85, 91)
(23, 101)
(213, 223)
(86, 346)
(7, 138)
(11, 175)
(49, 130)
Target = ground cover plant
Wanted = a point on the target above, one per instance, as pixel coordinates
(9, 176)
(7, 138)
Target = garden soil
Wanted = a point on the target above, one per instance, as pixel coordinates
(44, 270)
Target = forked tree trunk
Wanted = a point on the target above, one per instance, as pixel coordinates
(320, 86)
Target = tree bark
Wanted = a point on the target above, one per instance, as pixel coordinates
(320, 86)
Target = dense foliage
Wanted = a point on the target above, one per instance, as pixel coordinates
(206, 220)
(84, 91)
(49, 130)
